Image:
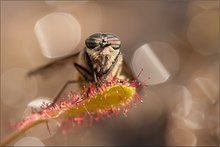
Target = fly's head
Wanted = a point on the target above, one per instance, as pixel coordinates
(103, 50)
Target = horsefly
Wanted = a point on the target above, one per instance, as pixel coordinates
(99, 60)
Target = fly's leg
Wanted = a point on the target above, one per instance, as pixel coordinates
(84, 72)
(63, 88)
(51, 64)
(87, 75)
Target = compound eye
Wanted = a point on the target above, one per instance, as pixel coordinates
(93, 41)
(114, 41)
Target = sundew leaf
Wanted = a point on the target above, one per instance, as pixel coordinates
(97, 102)
(111, 97)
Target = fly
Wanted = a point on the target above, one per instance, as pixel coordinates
(100, 58)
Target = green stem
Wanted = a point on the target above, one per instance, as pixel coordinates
(19, 132)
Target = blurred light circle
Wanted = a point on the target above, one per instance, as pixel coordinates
(203, 32)
(184, 101)
(195, 119)
(209, 88)
(58, 34)
(181, 137)
(88, 13)
(207, 5)
(29, 141)
(36, 104)
(16, 88)
(158, 60)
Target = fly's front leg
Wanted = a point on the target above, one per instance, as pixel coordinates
(86, 74)
(95, 77)
(63, 88)
(83, 71)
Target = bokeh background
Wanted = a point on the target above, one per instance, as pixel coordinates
(176, 42)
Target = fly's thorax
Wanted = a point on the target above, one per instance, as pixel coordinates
(102, 59)
(115, 72)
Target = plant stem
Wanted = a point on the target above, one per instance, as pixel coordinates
(19, 132)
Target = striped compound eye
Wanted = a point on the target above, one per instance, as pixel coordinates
(114, 41)
(97, 39)
(93, 40)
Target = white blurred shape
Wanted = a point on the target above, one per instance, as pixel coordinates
(157, 59)
(88, 13)
(16, 88)
(181, 137)
(203, 32)
(41, 131)
(208, 87)
(29, 141)
(194, 120)
(38, 102)
(207, 4)
(190, 112)
(58, 34)
(196, 117)
(145, 58)
(184, 105)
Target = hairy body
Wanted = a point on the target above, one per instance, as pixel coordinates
(98, 61)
